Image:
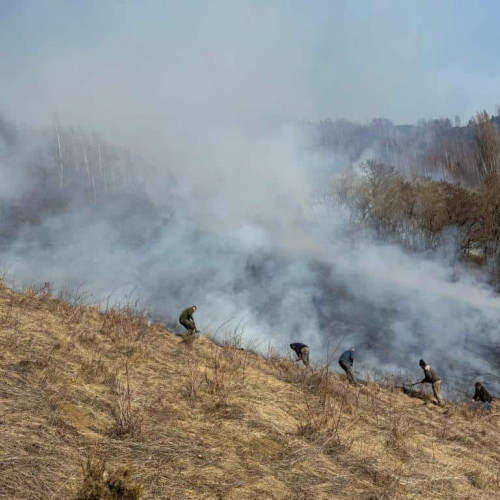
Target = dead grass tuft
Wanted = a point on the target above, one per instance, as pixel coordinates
(399, 435)
(100, 484)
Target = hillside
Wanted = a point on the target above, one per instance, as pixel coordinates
(104, 405)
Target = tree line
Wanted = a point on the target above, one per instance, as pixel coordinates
(439, 149)
(423, 213)
(50, 170)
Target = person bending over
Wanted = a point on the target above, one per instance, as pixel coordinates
(302, 352)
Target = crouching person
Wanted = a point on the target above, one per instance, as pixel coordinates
(302, 352)
(482, 398)
(187, 321)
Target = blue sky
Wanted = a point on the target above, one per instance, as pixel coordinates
(133, 69)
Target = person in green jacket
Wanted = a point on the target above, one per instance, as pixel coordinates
(431, 377)
(187, 321)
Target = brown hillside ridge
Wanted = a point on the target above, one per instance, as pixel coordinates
(102, 405)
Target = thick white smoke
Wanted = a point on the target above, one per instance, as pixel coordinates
(252, 244)
(211, 93)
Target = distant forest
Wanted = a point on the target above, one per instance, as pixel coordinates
(426, 187)
(50, 171)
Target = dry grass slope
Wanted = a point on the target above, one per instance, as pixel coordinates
(101, 405)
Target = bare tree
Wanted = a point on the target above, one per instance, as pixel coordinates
(61, 163)
(488, 143)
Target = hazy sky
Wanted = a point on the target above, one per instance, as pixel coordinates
(153, 73)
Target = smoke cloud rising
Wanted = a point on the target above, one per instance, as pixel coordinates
(228, 210)
(261, 250)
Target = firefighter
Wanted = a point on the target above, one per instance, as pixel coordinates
(187, 321)
(431, 377)
(482, 397)
(346, 361)
(302, 352)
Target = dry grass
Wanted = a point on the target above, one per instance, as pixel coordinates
(102, 405)
(98, 483)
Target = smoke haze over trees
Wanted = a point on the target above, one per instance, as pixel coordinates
(296, 250)
(182, 152)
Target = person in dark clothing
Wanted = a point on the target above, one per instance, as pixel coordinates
(482, 394)
(187, 321)
(302, 352)
(482, 398)
(431, 377)
(346, 361)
